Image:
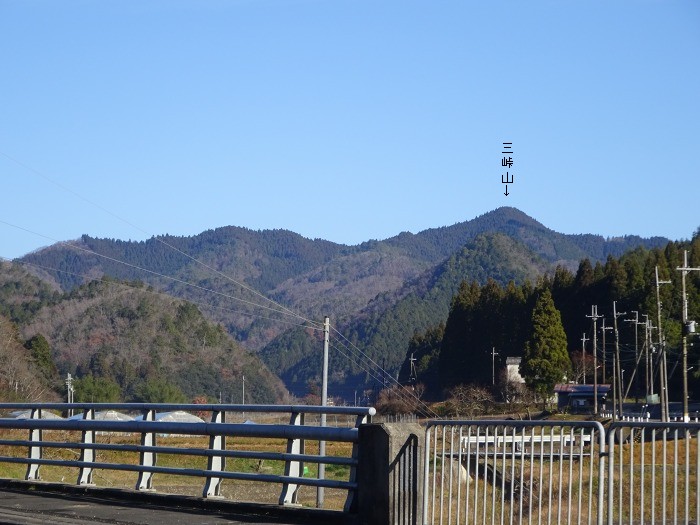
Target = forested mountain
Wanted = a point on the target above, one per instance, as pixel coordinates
(314, 277)
(379, 292)
(383, 329)
(126, 341)
(484, 317)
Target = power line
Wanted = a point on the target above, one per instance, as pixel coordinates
(158, 293)
(286, 311)
(347, 344)
(158, 239)
(282, 310)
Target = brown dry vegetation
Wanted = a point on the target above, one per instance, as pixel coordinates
(177, 484)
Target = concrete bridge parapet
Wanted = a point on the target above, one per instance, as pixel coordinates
(389, 474)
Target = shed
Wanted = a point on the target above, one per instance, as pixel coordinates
(579, 399)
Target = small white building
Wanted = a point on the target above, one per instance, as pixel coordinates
(513, 370)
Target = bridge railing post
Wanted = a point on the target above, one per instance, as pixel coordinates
(389, 474)
(351, 500)
(212, 487)
(293, 467)
(147, 458)
(35, 451)
(87, 454)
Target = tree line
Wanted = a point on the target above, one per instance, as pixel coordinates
(490, 322)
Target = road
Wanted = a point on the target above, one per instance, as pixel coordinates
(34, 503)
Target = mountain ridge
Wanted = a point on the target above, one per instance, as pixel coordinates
(316, 277)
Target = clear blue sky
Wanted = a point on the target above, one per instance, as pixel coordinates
(345, 119)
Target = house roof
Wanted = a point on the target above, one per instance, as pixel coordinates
(574, 389)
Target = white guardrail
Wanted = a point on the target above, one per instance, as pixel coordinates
(97, 437)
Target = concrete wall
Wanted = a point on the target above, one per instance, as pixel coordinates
(389, 474)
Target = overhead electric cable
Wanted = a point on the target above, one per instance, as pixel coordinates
(158, 274)
(105, 210)
(404, 394)
(158, 293)
(381, 375)
(282, 310)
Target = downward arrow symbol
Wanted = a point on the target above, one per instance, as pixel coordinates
(506, 193)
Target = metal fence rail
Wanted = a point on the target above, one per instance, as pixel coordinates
(653, 473)
(561, 472)
(296, 433)
(513, 472)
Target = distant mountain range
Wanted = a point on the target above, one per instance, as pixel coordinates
(378, 293)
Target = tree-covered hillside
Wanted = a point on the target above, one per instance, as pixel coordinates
(384, 329)
(438, 243)
(379, 292)
(220, 267)
(484, 318)
(127, 341)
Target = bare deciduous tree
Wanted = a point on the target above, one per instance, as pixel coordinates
(470, 400)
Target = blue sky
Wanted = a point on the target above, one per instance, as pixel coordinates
(346, 120)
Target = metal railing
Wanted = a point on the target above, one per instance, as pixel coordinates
(97, 438)
(512, 472)
(560, 472)
(653, 473)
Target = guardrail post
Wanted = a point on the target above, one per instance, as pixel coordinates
(87, 454)
(147, 458)
(351, 500)
(389, 474)
(35, 436)
(293, 468)
(212, 487)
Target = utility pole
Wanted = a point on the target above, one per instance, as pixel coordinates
(324, 402)
(412, 375)
(688, 328)
(645, 349)
(617, 374)
(243, 396)
(583, 356)
(69, 393)
(594, 315)
(650, 349)
(493, 365)
(605, 356)
(636, 353)
(663, 373)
